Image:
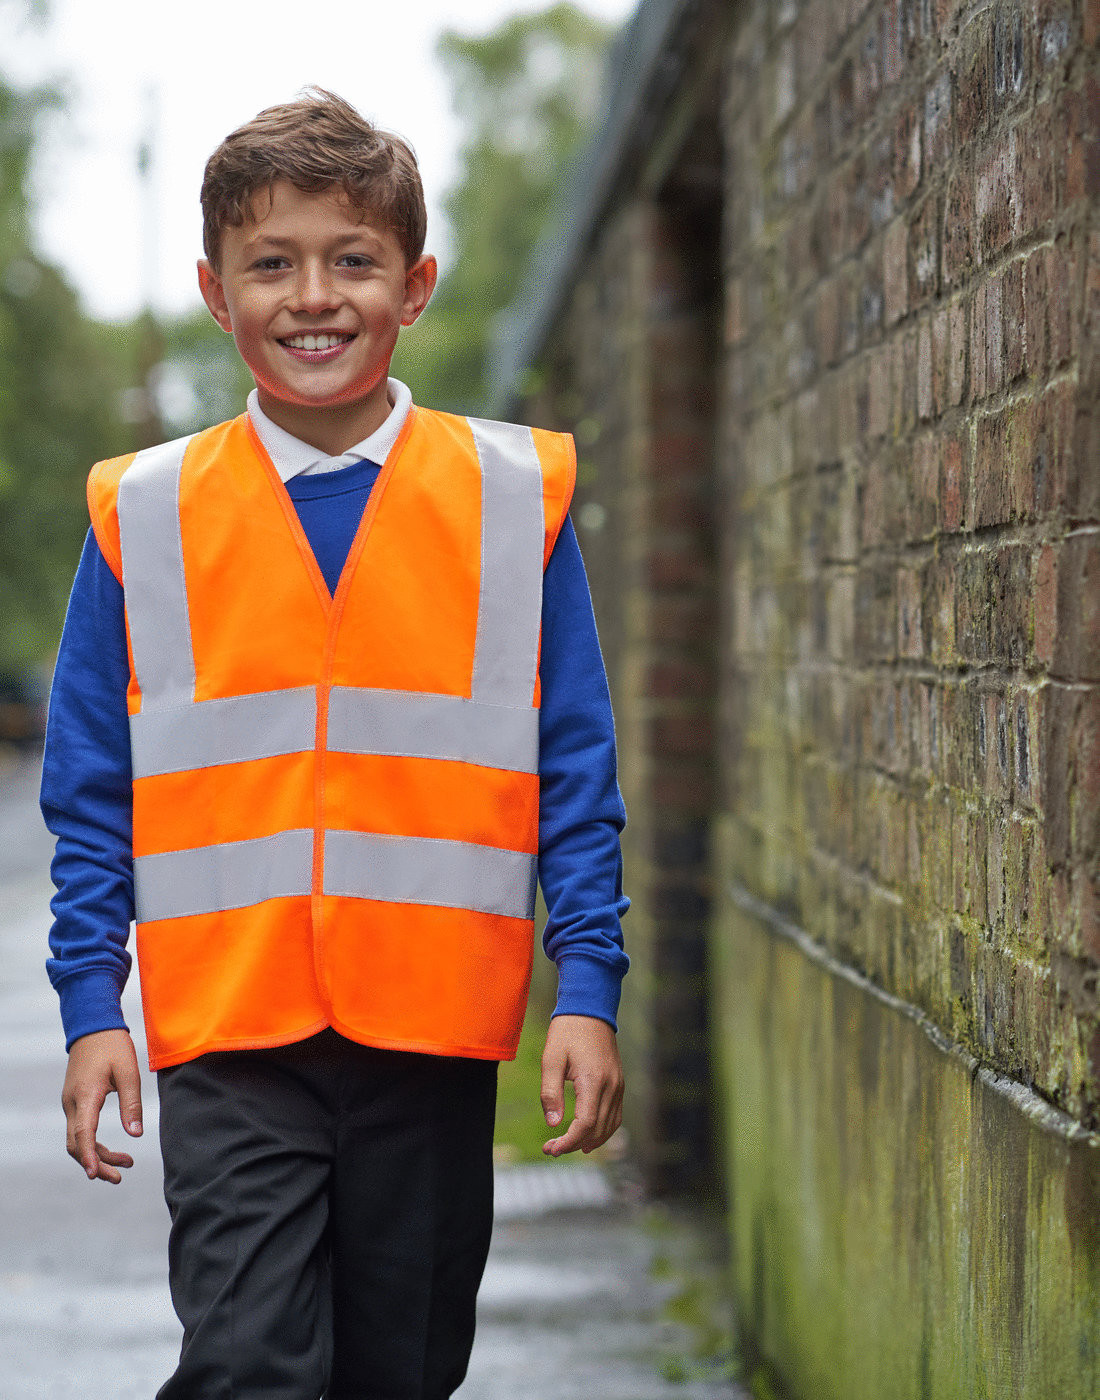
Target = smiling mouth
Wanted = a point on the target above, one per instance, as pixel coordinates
(323, 340)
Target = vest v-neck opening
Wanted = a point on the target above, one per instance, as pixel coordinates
(329, 599)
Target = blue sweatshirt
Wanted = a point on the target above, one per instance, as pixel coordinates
(86, 780)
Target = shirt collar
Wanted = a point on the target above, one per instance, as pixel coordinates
(292, 457)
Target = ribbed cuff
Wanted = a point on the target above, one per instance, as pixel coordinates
(90, 1002)
(588, 987)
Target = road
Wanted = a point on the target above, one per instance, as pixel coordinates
(568, 1309)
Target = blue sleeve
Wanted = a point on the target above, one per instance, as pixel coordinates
(580, 809)
(87, 804)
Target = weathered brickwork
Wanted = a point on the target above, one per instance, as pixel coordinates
(635, 382)
(914, 489)
(839, 498)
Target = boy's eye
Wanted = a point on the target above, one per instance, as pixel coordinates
(271, 264)
(356, 260)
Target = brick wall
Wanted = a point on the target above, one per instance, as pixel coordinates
(911, 686)
(634, 377)
(840, 503)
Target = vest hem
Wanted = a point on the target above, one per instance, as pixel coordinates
(269, 1042)
(425, 1047)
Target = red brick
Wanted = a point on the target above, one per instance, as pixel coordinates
(878, 394)
(924, 371)
(895, 275)
(1061, 304)
(903, 405)
(1086, 761)
(956, 365)
(992, 498)
(1046, 605)
(941, 357)
(938, 611)
(938, 125)
(910, 626)
(1010, 617)
(1012, 319)
(924, 487)
(827, 322)
(906, 154)
(1036, 311)
(1035, 172)
(1092, 21)
(995, 197)
(978, 350)
(958, 247)
(955, 484)
(678, 676)
(973, 80)
(1077, 644)
(924, 253)
(994, 337)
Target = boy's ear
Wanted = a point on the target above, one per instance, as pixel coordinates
(213, 293)
(419, 285)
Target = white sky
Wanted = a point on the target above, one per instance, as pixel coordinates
(212, 64)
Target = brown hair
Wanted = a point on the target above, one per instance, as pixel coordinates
(315, 142)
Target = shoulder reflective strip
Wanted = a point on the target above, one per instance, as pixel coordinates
(153, 577)
(512, 540)
(209, 879)
(412, 725)
(424, 870)
(231, 730)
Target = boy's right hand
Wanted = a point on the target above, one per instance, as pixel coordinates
(98, 1064)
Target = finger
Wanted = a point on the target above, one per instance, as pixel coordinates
(608, 1120)
(552, 1093)
(129, 1098)
(577, 1134)
(84, 1131)
(107, 1165)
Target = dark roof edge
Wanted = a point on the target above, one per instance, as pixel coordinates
(637, 64)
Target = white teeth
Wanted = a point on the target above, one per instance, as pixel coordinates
(315, 342)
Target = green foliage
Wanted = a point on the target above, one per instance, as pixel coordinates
(59, 375)
(528, 93)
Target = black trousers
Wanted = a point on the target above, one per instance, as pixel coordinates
(331, 1211)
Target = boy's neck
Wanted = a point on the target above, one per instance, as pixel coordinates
(334, 428)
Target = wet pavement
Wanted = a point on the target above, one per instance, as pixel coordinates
(569, 1309)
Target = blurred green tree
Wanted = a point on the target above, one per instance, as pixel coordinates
(60, 375)
(528, 93)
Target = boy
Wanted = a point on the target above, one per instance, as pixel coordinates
(329, 693)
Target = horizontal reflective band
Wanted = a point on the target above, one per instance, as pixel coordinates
(410, 725)
(208, 879)
(232, 730)
(512, 541)
(153, 577)
(423, 870)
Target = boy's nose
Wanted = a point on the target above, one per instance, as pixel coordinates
(314, 291)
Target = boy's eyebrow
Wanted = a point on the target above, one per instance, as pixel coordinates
(273, 240)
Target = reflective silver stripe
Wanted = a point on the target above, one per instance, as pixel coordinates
(232, 730)
(512, 537)
(413, 725)
(425, 870)
(208, 879)
(153, 577)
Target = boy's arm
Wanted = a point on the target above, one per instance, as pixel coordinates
(86, 802)
(580, 865)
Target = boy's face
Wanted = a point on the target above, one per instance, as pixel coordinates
(314, 292)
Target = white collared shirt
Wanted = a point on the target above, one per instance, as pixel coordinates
(293, 457)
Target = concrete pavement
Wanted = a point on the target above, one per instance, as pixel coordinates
(569, 1310)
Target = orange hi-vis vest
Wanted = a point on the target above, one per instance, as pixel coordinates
(335, 797)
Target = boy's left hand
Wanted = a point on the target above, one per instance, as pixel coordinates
(582, 1049)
